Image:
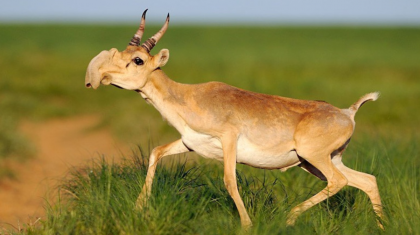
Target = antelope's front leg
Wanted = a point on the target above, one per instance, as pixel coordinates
(229, 156)
(175, 147)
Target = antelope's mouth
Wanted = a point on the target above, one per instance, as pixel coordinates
(117, 86)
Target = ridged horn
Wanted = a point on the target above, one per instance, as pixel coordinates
(135, 41)
(151, 42)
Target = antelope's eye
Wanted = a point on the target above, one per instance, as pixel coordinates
(138, 61)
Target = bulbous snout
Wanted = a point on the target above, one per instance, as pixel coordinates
(94, 75)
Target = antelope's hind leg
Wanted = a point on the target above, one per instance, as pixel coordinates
(317, 137)
(365, 182)
(159, 152)
(336, 181)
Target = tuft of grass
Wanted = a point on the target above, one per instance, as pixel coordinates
(100, 200)
(191, 198)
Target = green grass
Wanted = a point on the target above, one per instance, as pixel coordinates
(190, 198)
(42, 76)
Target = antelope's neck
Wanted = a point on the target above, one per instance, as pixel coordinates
(166, 95)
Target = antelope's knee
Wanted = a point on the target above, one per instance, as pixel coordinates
(230, 184)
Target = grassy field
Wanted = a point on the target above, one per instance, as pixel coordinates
(42, 76)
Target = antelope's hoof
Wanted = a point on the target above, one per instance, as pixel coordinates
(291, 220)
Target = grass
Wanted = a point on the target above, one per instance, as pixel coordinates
(191, 199)
(42, 76)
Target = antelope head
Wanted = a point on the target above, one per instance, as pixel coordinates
(128, 69)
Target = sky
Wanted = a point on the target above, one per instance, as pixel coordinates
(382, 12)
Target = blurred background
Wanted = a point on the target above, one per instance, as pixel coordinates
(322, 50)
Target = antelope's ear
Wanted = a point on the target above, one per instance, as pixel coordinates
(161, 58)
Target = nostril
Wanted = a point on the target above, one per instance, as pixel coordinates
(88, 85)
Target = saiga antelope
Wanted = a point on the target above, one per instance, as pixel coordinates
(233, 125)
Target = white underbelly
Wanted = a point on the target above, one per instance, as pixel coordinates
(205, 145)
(276, 157)
(208, 146)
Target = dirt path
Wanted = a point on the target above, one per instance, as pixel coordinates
(61, 144)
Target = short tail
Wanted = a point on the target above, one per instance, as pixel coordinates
(368, 97)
